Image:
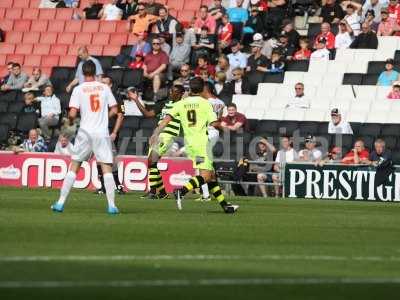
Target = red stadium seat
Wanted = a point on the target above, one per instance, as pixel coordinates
(185, 15)
(3, 71)
(66, 38)
(16, 58)
(14, 13)
(6, 25)
(39, 25)
(73, 49)
(111, 50)
(21, 3)
(50, 61)
(123, 26)
(22, 25)
(73, 26)
(118, 39)
(58, 50)
(67, 61)
(31, 37)
(7, 48)
(2, 12)
(33, 60)
(175, 4)
(163, 2)
(30, 14)
(25, 49)
(41, 49)
(14, 37)
(100, 38)
(90, 26)
(27, 70)
(46, 70)
(34, 3)
(47, 14)
(191, 5)
(173, 12)
(56, 26)
(3, 59)
(83, 38)
(48, 38)
(207, 2)
(6, 3)
(132, 39)
(64, 13)
(95, 50)
(108, 26)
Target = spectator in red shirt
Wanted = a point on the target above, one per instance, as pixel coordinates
(387, 26)
(138, 62)
(233, 121)
(225, 32)
(205, 20)
(394, 94)
(155, 66)
(327, 34)
(358, 155)
(202, 63)
(304, 52)
(394, 10)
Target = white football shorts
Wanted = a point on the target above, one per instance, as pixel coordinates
(86, 144)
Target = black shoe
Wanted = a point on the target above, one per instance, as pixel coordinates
(230, 208)
(163, 195)
(99, 192)
(152, 196)
(120, 190)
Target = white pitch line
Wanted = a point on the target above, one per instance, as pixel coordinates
(199, 257)
(196, 282)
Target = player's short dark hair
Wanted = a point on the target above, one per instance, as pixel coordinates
(210, 87)
(89, 68)
(16, 65)
(232, 105)
(196, 85)
(179, 88)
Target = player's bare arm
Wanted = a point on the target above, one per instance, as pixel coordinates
(159, 129)
(146, 113)
(113, 112)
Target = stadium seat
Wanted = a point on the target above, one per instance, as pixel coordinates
(343, 104)
(15, 107)
(122, 27)
(116, 75)
(352, 79)
(34, 3)
(382, 92)
(118, 39)
(390, 130)
(100, 39)
(25, 49)
(317, 115)
(370, 79)
(47, 13)
(41, 49)
(132, 78)
(95, 50)
(291, 78)
(332, 79)
(32, 60)
(21, 3)
(357, 67)
(345, 92)
(6, 48)
(22, 25)
(26, 122)
(83, 38)
(30, 14)
(186, 15)
(320, 103)
(2, 12)
(9, 96)
(131, 122)
(346, 55)
(61, 77)
(288, 127)
(6, 3)
(13, 13)
(73, 49)
(280, 101)
(108, 26)
(48, 37)
(318, 66)
(58, 49)
(365, 92)
(31, 37)
(297, 66)
(3, 60)
(66, 38)
(293, 114)
(90, 26)
(384, 54)
(56, 26)
(6, 25)
(3, 107)
(191, 5)
(131, 39)
(50, 61)
(336, 67)
(255, 114)
(370, 129)
(273, 78)
(391, 142)
(376, 67)
(311, 78)
(14, 37)
(3, 133)
(39, 25)
(111, 50)
(67, 61)
(64, 13)
(73, 26)
(17, 58)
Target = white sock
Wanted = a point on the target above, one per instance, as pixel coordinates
(66, 187)
(206, 193)
(110, 187)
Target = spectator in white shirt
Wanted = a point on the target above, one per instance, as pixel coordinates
(344, 38)
(50, 108)
(130, 105)
(36, 81)
(111, 12)
(321, 53)
(352, 16)
(299, 100)
(337, 125)
(237, 59)
(310, 153)
(63, 146)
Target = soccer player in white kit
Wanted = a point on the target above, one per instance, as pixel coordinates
(96, 104)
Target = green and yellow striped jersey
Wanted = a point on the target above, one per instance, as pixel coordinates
(174, 127)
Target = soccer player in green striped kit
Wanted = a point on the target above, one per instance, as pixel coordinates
(195, 115)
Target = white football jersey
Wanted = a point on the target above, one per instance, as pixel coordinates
(93, 99)
(217, 104)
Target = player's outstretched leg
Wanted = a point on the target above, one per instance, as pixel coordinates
(101, 190)
(156, 183)
(194, 183)
(64, 192)
(216, 191)
(109, 186)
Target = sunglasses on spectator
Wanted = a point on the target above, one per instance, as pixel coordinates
(298, 88)
(156, 43)
(237, 74)
(139, 9)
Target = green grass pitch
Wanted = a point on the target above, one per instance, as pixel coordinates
(271, 249)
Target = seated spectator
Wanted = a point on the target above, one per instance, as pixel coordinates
(380, 154)
(220, 80)
(153, 8)
(92, 11)
(111, 12)
(239, 85)
(205, 20)
(31, 106)
(184, 78)
(261, 5)
(131, 103)
(237, 59)
(337, 125)
(52, 4)
(394, 10)
(333, 156)
(265, 152)
(299, 100)
(345, 36)
(375, 6)
(370, 20)
(331, 12)
(277, 63)
(50, 108)
(203, 74)
(128, 7)
(203, 64)
(165, 47)
(395, 92)
(293, 36)
(34, 143)
(256, 61)
(225, 33)
(63, 146)
(254, 23)
(141, 45)
(310, 153)
(83, 55)
(321, 53)
(267, 45)
(36, 81)
(352, 17)
(141, 21)
(387, 26)
(358, 155)
(180, 55)
(155, 66)
(204, 45)
(234, 121)
(327, 35)
(286, 154)
(366, 39)
(389, 76)
(189, 36)
(304, 52)
(16, 80)
(138, 63)
(166, 23)
(9, 72)
(283, 47)
(217, 11)
(224, 66)
(238, 14)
